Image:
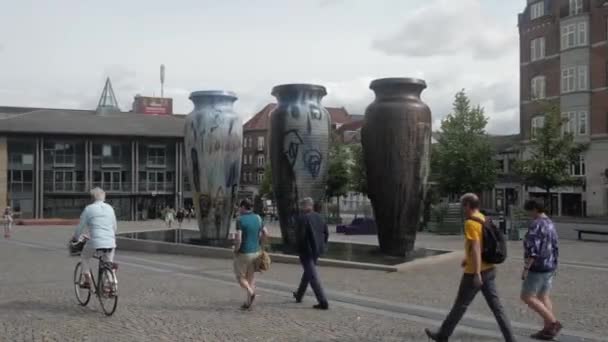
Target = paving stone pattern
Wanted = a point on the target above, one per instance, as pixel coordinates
(180, 298)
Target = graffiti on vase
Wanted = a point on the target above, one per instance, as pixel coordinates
(316, 113)
(195, 170)
(312, 161)
(291, 145)
(204, 205)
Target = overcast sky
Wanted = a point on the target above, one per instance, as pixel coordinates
(58, 53)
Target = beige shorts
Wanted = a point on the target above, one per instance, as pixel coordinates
(244, 264)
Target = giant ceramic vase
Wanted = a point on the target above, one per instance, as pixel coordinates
(299, 150)
(213, 148)
(396, 139)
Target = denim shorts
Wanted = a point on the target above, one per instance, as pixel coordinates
(537, 283)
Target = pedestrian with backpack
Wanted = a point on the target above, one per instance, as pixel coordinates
(484, 247)
(540, 254)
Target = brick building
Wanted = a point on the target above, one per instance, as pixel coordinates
(564, 59)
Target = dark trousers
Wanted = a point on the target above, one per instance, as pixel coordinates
(310, 276)
(466, 293)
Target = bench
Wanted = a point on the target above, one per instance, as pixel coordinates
(588, 231)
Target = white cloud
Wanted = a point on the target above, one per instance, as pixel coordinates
(445, 28)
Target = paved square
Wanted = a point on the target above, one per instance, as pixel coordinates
(180, 298)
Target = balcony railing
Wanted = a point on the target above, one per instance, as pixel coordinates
(156, 161)
(64, 187)
(72, 187)
(156, 187)
(21, 187)
(114, 187)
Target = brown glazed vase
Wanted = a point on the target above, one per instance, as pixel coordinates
(396, 139)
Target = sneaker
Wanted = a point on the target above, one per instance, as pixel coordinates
(548, 333)
(434, 336)
(556, 328)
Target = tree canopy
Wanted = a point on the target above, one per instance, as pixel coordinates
(462, 160)
(551, 153)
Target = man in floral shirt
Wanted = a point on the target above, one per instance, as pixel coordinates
(540, 254)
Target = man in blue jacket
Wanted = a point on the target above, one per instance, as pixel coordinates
(312, 237)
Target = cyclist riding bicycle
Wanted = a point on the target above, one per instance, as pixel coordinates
(100, 220)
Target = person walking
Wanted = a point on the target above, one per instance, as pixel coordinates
(478, 275)
(312, 236)
(7, 216)
(181, 213)
(169, 216)
(250, 234)
(541, 258)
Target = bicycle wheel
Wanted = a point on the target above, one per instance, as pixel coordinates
(82, 295)
(108, 291)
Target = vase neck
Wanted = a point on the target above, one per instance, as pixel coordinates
(398, 88)
(203, 99)
(299, 93)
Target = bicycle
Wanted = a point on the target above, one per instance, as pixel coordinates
(106, 289)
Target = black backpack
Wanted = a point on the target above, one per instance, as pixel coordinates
(494, 246)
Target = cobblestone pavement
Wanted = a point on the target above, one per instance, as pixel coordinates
(179, 298)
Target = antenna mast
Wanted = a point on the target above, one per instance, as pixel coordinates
(162, 80)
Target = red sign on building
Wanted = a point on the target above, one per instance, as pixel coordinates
(153, 105)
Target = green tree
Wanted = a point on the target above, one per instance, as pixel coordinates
(338, 173)
(550, 154)
(266, 186)
(358, 173)
(463, 159)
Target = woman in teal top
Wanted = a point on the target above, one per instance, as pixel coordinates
(250, 231)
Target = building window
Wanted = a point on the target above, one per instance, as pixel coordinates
(63, 181)
(110, 154)
(537, 49)
(576, 7)
(574, 35)
(583, 71)
(20, 181)
(260, 177)
(568, 36)
(111, 181)
(583, 123)
(576, 123)
(578, 167)
(582, 34)
(260, 143)
(261, 161)
(575, 78)
(538, 122)
(568, 79)
(63, 154)
(569, 123)
(156, 155)
(537, 10)
(538, 87)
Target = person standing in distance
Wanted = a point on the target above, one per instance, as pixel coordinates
(540, 254)
(312, 236)
(8, 222)
(478, 275)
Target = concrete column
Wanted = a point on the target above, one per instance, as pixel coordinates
(4, 200)
(39, 172)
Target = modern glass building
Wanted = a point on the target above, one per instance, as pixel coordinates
(51, 158)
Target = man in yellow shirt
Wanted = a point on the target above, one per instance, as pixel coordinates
(478, 275)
